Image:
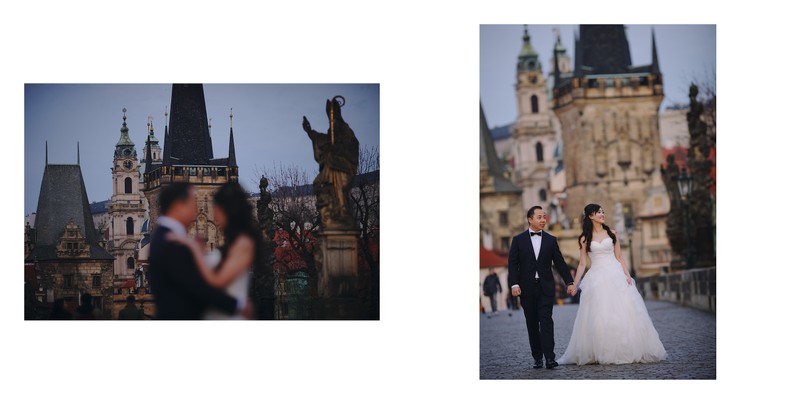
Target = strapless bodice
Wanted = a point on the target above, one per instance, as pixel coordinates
(602, 251)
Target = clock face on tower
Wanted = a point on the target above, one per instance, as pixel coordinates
(127, 164)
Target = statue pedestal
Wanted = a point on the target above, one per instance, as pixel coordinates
(338, 275)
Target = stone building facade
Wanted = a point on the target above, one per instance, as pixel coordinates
(68, 256)
(188, 157)
(608, 111)
(502, 214)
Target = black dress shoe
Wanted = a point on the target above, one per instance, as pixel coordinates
(551, 363)
(537, 364)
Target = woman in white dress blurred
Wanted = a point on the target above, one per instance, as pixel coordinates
(612, 325)
(229, 267)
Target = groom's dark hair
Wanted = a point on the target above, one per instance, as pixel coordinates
(533, 209)
(177, 191)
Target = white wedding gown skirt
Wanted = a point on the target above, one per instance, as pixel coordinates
(612, 325)
(237, 289)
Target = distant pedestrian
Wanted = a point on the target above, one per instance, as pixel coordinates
(59, 312)
(491, 287)
(130, 312)
(86, 310)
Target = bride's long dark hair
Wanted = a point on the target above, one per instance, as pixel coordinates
(588, 227)
(239, 212)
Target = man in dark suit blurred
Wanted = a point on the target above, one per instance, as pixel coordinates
(179, 289)
(530, 260)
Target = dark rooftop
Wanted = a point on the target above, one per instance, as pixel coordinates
(501, 132)
(189, 140)
(63, 197)
(98, 207)
(603, 49)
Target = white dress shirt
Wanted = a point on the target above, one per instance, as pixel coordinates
(536, 242)
(172, 224)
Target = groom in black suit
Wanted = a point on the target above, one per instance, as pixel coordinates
(530, 259)
(179, 289)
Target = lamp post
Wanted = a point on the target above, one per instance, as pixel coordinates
(685, 189)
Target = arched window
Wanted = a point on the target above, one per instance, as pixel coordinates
(539, 152)
(130, 262)
(128, 186)
(542, 195)
(534, 104)
(129, 226)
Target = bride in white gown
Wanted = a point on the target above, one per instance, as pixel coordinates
(612, 325)
(229, 267)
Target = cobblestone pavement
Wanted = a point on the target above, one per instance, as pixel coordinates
(688, 335)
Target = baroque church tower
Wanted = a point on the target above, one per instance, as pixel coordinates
(127, 207)
(534, 131)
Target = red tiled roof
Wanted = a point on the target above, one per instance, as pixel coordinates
(490, 259)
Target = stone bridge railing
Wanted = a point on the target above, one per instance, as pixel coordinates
(693, 288)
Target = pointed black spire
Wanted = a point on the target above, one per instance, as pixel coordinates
(655, 68)
(489, 159)
(556, 72)
(79, 153)
(167, 149)
(578, 56)
(189, 138)
(605, 49)
(45, 152)
(148, 160)
(62, 198)
(231, 148)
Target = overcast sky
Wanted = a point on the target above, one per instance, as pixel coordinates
(266, 124)
(685, 53)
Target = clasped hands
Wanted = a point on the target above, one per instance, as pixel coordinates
(571, 289)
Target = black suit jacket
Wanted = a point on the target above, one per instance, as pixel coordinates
(523, 263)
(180, 291)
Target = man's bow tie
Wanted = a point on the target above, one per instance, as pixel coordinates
(536, 233)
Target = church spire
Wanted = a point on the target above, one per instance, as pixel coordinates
(79, 153)
(189, 139)
(528, 59)
(231, 148)
(578, 56)
(556, 71)
(45, 152)
(655, 68)
(125, 146)
(166, 139)
(603, 49)
(148, 159)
